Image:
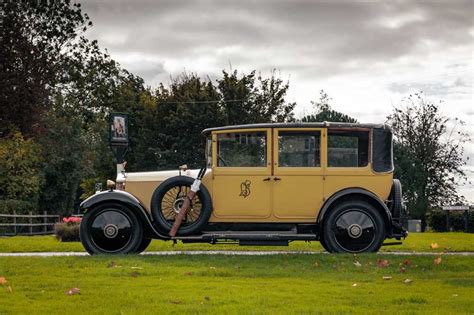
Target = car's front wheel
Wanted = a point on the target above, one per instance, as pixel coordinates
(111, 228)
(353, 227)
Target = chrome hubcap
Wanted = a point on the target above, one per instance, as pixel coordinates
(110, 231)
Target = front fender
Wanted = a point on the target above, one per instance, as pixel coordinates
(129, 201)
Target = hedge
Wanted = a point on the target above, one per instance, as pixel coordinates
(8, 206)
(437, 221)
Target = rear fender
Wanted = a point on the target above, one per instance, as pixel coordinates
(128, 200)
(358, 193)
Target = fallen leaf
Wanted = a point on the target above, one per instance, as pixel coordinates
(113, 264)
(357, 264)
(316, 264)
(386, 277)
(434, 245)
(354, 284)
(407, 262)
(176, 302)
(134, 274)
(73, 291)
(402, 269)
(9, 288)
(188, 273)
(408, 281)
(3, 281)
(382, 263)
(455, 295)
(437, 260)
(207, 298)
(212, 268)
(137, 268)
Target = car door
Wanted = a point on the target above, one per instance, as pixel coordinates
(298, 173)
(241, 168)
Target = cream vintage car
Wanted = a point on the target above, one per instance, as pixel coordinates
(264, 184)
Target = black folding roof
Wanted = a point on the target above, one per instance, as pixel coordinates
(325, 124)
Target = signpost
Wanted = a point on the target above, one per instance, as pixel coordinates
(118, 137)
(457, 208)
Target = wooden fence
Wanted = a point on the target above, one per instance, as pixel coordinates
(27, 224)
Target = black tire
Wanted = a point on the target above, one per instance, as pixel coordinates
(353, 227)
(396, 205)
(165, 204)
(111, 228)
(323, 244)
(143, 245)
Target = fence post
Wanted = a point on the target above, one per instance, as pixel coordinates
(31, 223)
(45, 221)
(466, 221)
(14, 222)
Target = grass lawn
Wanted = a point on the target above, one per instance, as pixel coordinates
(414, 242)
(237, 284)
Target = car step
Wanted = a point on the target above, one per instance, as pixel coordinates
(247, 237)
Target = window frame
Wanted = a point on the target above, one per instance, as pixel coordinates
(350, 170)
(300, 170)
(242, 170)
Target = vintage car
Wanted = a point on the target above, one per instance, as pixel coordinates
(264, 184)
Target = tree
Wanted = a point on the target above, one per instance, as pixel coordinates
(323, 111)
(254, 99)
(42, 51)
(19, 161)
(428, 154)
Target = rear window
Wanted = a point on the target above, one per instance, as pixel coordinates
(348, 148)
(382, 152)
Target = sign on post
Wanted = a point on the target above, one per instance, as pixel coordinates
(457, 208)
(118, 135)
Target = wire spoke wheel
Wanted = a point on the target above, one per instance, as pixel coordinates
(173, 201)
(169, 197)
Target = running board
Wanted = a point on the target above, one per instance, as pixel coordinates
(249, 237)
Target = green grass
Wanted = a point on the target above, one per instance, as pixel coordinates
(415, 242)
(282, 284)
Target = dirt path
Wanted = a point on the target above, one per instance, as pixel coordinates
(229, 253)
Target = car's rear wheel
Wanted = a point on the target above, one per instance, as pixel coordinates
(168, 198)
(353, 227)
(111, 228)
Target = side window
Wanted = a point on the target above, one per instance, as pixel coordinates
(246, 149)
(348, 148)
(299, 149)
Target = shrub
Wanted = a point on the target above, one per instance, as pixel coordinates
(437, 221)
(8, 206)
(68, 229)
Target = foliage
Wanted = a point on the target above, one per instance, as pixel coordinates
(44, 42)
(428, 154)
(437, 221)
(324, 112)
(68, 229)
(254, 99)
(19, 173)
(10, 206)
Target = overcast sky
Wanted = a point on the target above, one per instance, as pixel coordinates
(366, 56)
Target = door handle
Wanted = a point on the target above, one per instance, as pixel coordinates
(266, 179)
(276, 178)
